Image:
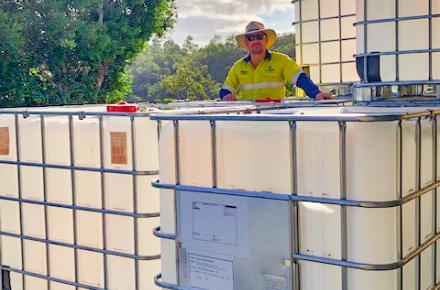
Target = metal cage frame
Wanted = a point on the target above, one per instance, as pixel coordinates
(295, 198)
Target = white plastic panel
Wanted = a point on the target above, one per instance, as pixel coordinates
(16, 281)
(320, 228)
(117, 266)
(148, 244)
(388, 67)
(10, 216)
(330, 29)
(380, 248)
(120, 233)
(409, 276)
(348, 29)
(315, 75)
(317, 145)
(436, 65)
(348, 50)
(35, 283)
(435, 7)
(89, 229)
(310, 54)
(33, 220)
(195, 137)
(168, 261)
(9, 178)
(414, 66)
(380, 9)
(35, 257)
(62, 262)
(330, 52)
(427, 271)
(381, 37)
(91, 268)
(372, 280)
(413, 8)
(409, 227)
(427, 213)
(309, 9)
(239, 169)
(310, 31)
(147, 270)
(361, 168)
(60, 225)
(11, 252)
(427, 145)
(349, 72)
(331, 73)
(414, 34)
(329, 276)
(329, 8)
(348, 7)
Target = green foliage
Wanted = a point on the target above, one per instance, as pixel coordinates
(168, 71)
(285, 44)
(58, 52)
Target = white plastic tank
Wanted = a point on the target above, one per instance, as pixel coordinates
(255, 156)
(403, 34)
(326, 39)
(127, 145)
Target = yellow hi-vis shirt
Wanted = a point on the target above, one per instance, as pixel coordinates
(267, 80)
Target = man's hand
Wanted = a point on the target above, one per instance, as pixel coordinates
(229, 98)
(324, 96)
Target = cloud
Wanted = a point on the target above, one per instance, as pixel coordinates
(202, 19)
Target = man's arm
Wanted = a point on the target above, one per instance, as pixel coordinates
(227, 95)
(311, 89)
(229, 88)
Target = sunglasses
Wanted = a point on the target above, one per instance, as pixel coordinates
(258, 36)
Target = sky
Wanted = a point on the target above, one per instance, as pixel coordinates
(203, 19)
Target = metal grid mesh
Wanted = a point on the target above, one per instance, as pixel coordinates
(44, 258)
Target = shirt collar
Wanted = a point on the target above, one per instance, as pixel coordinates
(268, 56)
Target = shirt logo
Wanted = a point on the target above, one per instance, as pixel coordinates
(243, 72)
(270, 69)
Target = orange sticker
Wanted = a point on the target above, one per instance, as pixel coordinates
(4, 141)
(118, 142)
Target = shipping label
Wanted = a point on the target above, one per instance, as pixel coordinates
(215, 222)
(210, 273)
(119, 146)
(4, 141)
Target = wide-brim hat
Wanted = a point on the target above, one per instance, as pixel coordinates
(254, 27)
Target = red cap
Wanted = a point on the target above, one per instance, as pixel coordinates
(122, 106)
(268, 100)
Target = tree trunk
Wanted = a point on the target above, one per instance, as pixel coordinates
(102, 73)
(101, 12)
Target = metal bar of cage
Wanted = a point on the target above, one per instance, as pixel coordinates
(46, 216)
(73, 181)
(81, 168)
(323, 18)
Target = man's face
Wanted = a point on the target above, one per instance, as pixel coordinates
(256, 42)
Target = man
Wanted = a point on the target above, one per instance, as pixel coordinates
(263, 74)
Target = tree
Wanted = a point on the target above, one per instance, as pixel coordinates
(286, 44)
(155, 62)
(74, 51)
(219, 57)
(191, 81)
